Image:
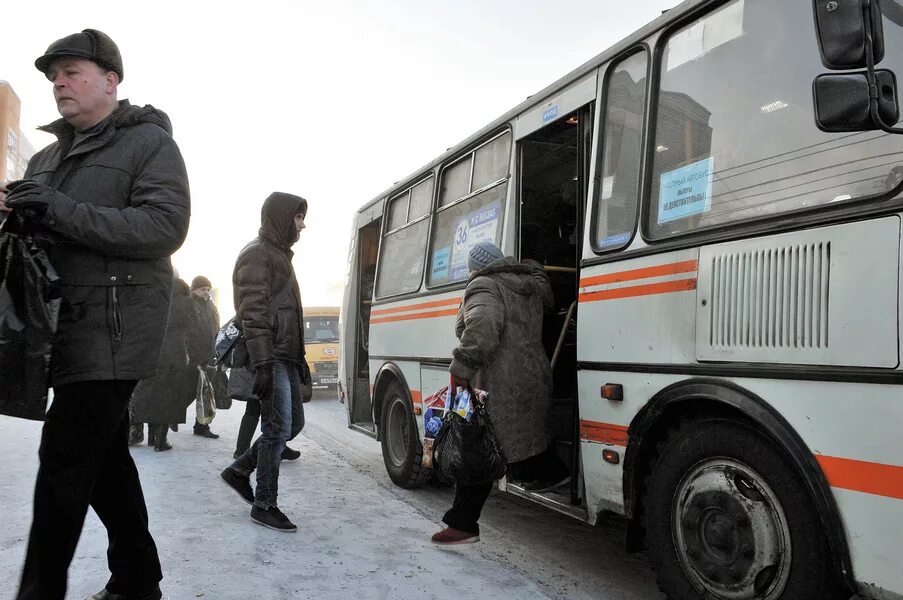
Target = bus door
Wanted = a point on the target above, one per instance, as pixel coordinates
(552, 184)
(356, 326)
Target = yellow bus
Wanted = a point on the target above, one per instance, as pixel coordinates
(321, 342)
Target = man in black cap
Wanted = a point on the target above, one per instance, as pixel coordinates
(110, 200)
(208, 326)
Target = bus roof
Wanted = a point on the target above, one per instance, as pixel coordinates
(666, 18)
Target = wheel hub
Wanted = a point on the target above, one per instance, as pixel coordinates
(730, 531)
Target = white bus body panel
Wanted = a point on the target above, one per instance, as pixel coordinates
(566, 101)
(824, 296)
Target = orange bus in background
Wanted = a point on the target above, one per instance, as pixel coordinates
(321, 342)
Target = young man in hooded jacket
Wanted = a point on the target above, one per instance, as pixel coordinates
(110, 201)
(269, 312)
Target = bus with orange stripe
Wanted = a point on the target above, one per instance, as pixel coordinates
(719, 213)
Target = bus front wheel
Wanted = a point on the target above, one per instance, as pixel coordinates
(401, 446)
(728, 518)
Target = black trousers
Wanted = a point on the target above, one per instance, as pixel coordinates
(469, 499)
(248, 425)
(85, 461)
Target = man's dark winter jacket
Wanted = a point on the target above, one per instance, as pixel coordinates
(121, 209)
(263, 269)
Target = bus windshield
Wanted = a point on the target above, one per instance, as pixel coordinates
(321, 329)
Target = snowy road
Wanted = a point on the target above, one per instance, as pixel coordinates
(359, 536)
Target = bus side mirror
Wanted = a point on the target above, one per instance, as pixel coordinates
(841, 30)
(842, 101)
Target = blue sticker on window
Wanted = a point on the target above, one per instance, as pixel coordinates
(549, 114)
(478, 226)
(618, 239)
(440, 263)
(685, 191)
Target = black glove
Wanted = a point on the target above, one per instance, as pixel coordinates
(30, 196)
(263, 382)
(305, 372)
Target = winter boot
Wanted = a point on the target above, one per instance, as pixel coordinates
(160, 444)
(151, 435)
(136, 434)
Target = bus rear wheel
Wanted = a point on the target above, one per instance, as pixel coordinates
(401, 446)
(728, 518)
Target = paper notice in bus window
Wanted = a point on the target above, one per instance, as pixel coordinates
(478, 226)
(607, 186)
(685, 191)
(716, 29)
(440, 263)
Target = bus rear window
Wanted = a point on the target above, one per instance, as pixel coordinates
(735, 135)
(321, 330)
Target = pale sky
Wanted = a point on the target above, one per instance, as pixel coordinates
(333, 101)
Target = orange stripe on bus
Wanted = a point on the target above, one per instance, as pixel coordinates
(425, 315)
(862, 476)
(433, 304)
(665, 287)
(687, 266)
(605, 433)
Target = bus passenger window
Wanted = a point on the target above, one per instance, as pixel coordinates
(471, 209)
(404, 243)
(617, 186)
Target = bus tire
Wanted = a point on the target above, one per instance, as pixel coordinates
(401, 446)
(728, 518)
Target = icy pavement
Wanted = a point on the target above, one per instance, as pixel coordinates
(354, 540)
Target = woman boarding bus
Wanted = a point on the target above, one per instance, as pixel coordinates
(724, 250)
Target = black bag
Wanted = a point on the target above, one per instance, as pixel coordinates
(29, 305)
(241, 382)
(220, 382)
(467, 452)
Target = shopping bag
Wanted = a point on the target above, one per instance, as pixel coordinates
(205, 403)
(29, 305)
(230, 348)
(467, 451)
(220, 382)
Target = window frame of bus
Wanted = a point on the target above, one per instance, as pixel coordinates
(469, 196)
(780, 221)
(601, 146)
(407, 191)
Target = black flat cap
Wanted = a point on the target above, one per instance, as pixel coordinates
(92, 44)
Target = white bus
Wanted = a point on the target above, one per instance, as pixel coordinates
(725, 254)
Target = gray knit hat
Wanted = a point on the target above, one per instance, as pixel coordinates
(483, 254)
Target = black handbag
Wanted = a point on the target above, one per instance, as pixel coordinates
(467, 452)
(29, 305)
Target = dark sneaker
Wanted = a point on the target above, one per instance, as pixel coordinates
(547, 486)
(154, 594)
(272, 518)
(239, 483)
(451, 536)
(136, 434)
(289, 454)
(162, 446)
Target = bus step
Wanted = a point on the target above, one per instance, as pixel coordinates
(553, 499)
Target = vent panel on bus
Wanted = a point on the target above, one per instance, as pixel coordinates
(771, 298)
(825, 296)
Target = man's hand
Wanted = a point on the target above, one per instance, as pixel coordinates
(27, 194)
(305, 372)
(263, 382)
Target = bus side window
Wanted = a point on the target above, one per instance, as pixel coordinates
(617, 188)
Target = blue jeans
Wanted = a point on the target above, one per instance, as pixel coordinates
(281, 419)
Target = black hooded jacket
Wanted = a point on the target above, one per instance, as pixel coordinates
(263, 269)
(121, 208)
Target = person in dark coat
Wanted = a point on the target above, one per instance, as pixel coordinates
(499, 328)
(208, 326)
(111, 198)
(269, 312)
(163, 399)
